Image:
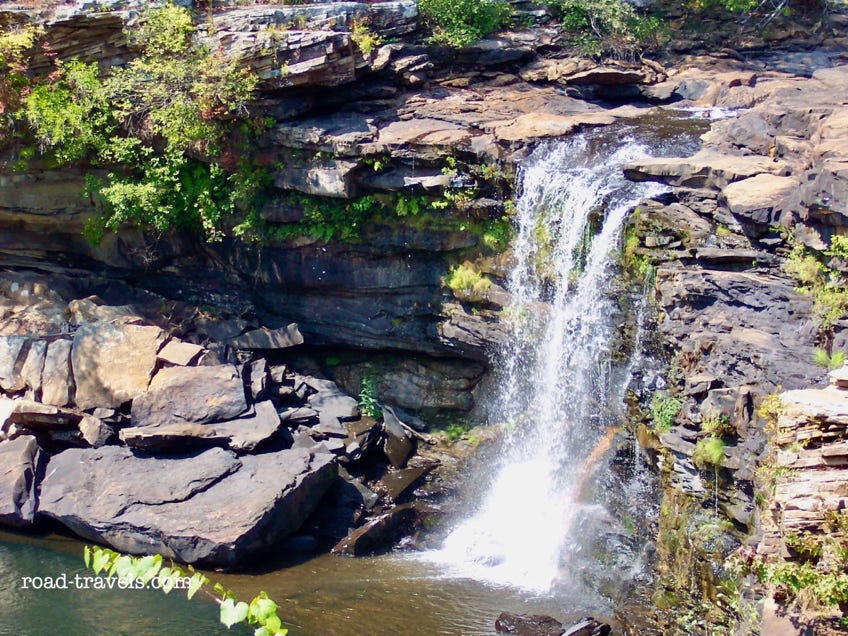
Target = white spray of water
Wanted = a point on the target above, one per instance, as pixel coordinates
(555, 370)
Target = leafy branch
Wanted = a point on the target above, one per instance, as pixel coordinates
(260, 612)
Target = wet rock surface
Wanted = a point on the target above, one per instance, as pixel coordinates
(541, 625)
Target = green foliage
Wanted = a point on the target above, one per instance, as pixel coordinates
(365, 40)
(611, 27)
(497, 233)
(324, 218)
(71, 114)
(823, 359)
(410, 204)
(838, 246)
(368, 398)
(455, 430)
(818, 570)
(466, 280)
(177, 88)
(634, 263)
(460, 23)
(771, 408)
(260, 612)
(155, 117)
(709, 451)
(170, 190)
(717, 424)
(378, 163)
(827, 286)
(664, 409)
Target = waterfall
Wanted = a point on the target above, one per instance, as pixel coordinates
(556, 392)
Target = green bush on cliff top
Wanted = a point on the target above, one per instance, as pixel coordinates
(612, 27)
(462, 22)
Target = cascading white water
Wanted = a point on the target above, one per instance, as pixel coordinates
(554, 373)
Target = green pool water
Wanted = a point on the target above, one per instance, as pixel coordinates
(325, 595)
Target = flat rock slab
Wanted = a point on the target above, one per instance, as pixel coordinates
(180, 353)
(191, 394)
(281, 338)
(20, 463)
(211, 508)
(757, 197)
(704, 169)
(57, 386)
(242, 434)
(537, 126)
(113, 363)
(12, 356)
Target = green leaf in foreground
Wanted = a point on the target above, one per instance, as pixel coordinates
(232, 612)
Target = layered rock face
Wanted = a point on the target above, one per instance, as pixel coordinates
(406, 123)
(736, 322)
(811, 455)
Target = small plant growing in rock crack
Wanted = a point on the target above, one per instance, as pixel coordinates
(823, 359)
(709, 451)
(365, 40)
(717, 424)
(467, 281)
(455, 430)
(826, 285)
(368, 398)
(664, 409)
(133, 572)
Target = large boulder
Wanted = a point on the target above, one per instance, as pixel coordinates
(191, 394)
(20, 464)
(113, 363)
(211, 508)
